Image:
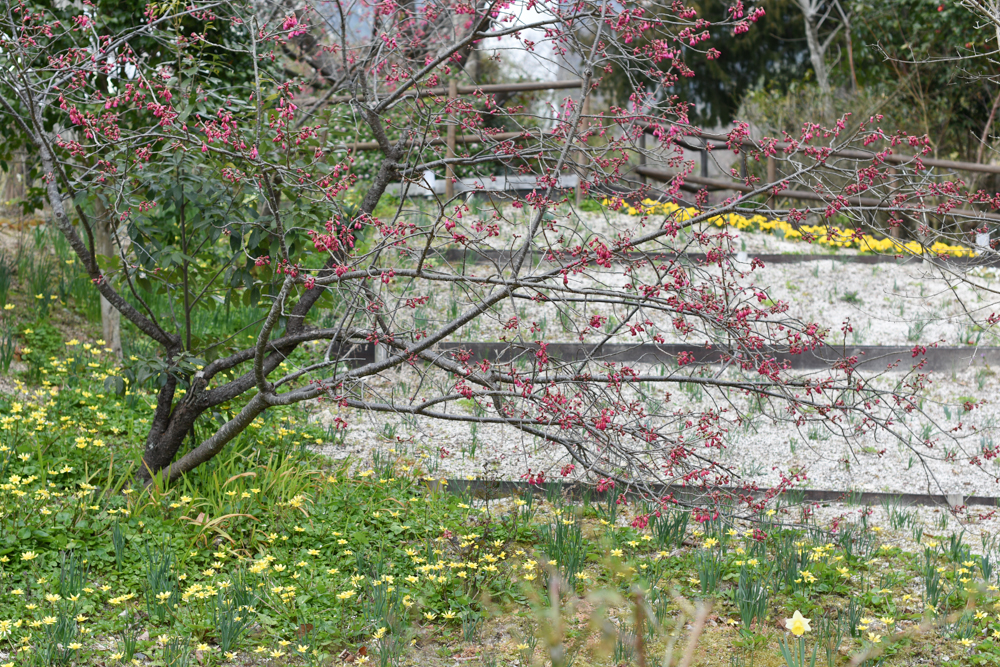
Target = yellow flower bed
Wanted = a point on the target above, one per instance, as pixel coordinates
(834, 237)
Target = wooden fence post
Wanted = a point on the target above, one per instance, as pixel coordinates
(642, 154)
(582, 155)
(449, 170)
(893, 231)
(772, 176)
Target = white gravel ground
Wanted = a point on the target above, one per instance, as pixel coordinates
(886, 304)
(758, 454)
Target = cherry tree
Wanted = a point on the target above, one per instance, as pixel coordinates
(302, 182)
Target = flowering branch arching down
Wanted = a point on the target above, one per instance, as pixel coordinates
(252, 185)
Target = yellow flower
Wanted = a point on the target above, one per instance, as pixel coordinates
(798, 624)
(345, 595)
(29, 555)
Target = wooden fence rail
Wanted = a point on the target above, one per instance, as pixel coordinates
(713, 141)
(868, 357)
(717, 141)
(502, 258)
(685, 495)
(808, 195)
(464, 90)
(458, 139)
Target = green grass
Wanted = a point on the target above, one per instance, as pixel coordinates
(271, 554)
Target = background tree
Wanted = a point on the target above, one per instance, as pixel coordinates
(922, 66)
(772, 55)
(223, 65)
(928, 61)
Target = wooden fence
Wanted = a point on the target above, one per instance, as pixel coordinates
(452, 139)
(707, 142)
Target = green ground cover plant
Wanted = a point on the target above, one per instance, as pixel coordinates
(273, 554)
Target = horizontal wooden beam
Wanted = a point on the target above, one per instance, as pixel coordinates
(460, 139)
(472, 255)
(868, 357)
(808, 195)
(463, 90)
(694, 494)
(716, 141)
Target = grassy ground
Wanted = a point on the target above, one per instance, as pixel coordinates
(270, 553)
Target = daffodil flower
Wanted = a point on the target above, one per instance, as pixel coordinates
(798, 624)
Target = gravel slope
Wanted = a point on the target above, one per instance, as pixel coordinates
(886, 305)
(758, 453)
